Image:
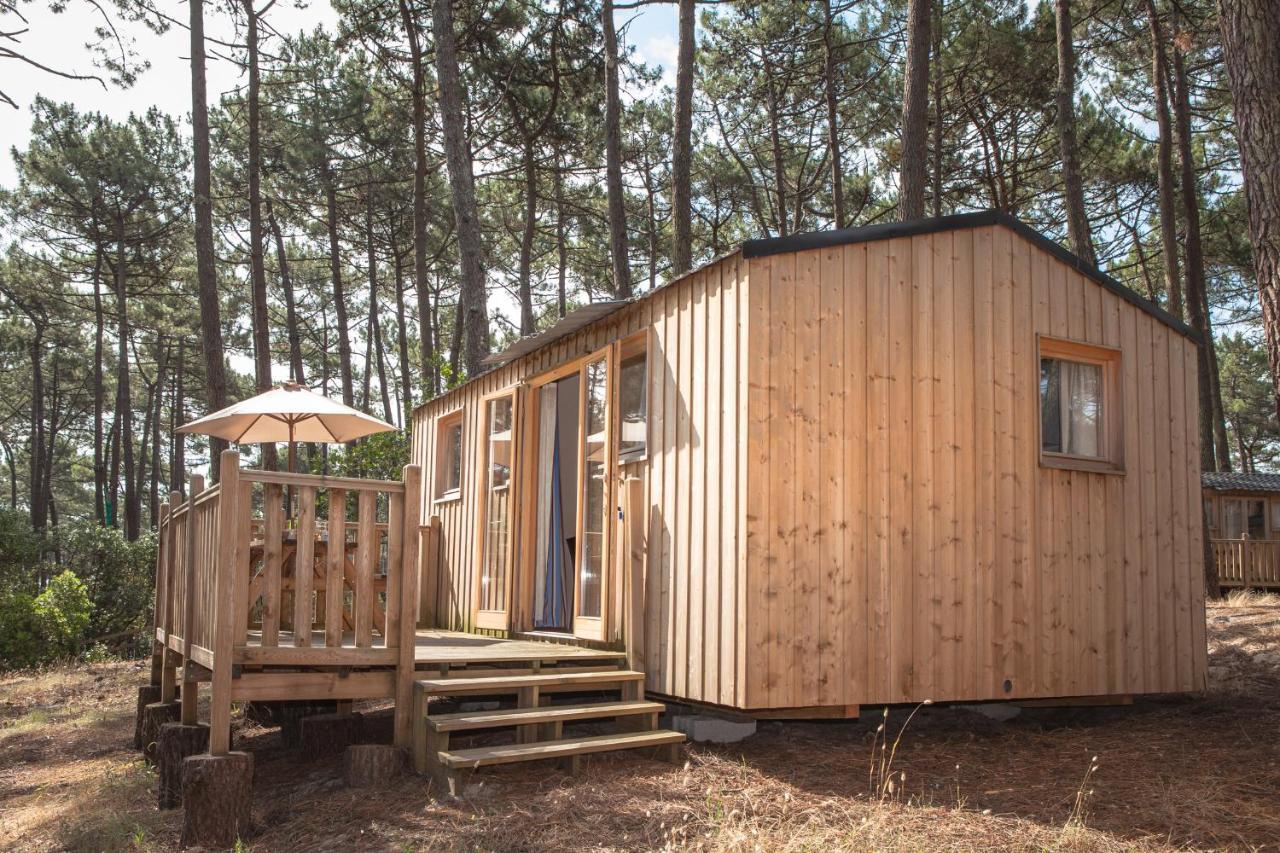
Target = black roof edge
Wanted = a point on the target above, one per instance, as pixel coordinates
(824, 239)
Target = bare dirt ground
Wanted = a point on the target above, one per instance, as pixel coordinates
(1197, 772)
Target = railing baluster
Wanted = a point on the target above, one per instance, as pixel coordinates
(337, 554)
(395, 567)
(273, 541)
(366, 554)
(304, 566)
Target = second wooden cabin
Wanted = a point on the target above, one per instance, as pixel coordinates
(938, 460)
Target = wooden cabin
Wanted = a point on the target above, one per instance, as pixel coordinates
(942, 459)
(1242, 513)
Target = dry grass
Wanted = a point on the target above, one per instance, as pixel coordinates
(1175, 773)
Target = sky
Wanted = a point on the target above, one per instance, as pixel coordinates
(58, 40)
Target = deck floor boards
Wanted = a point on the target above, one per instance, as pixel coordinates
(456, 647)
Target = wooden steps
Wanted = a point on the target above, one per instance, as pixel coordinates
(460, 759)
(475, 720)
(538, 725)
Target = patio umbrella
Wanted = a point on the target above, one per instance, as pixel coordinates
(287, 413)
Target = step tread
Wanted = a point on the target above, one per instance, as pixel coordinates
(511, 753)
(522, 716)
(515, 682)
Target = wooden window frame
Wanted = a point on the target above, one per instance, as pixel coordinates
(628, 347)
(1111, 458)
(444, 421)
(496, 619)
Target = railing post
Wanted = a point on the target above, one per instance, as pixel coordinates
(190, 546)
(634, 524)
(225, 594)
(169, 550)
(158, 609)
(1246, 554)
(407, 617)
(429, 572)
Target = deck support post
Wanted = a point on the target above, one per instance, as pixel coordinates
(217, 796)
(405, 636)
(154, 716)
(326, 734)
(228, 589)
(371, 765)
(176, 743)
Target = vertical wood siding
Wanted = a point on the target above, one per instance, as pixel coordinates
(902, 540)
(694, 473)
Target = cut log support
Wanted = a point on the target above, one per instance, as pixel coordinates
(218, 793)
(289, 716)
(176, 743)
(147, 694)
(372, 765)
(328, 734)
(155, 715)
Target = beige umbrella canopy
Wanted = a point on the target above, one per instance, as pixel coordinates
(287, 413)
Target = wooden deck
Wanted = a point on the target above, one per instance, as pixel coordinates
(431, 647)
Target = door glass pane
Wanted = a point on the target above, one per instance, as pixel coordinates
(493, 578)
(591, 560)
(1233, 519)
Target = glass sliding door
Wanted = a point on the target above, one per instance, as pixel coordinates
(594, 492)
(495, 552)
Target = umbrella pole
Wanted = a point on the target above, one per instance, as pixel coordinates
(293, 468)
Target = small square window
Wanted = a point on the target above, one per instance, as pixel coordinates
(1079, 406)
(633, 400)
(449, 456)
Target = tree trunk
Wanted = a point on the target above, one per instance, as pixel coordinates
(1195, 257)
(682, 147)
(124, 399)
(339, 298)
(935, 195)
(99, 390)
(472, 299)
(528, 325)
(1250, 30)
(1072, 182)
(210, 311)
(257, 264)
(178, 417)
(1164, 166)
(402, 335)
(613, 158)
(297, 370)
(162, 367)
(915, 110)
(430, 374)
(38, 501)
(562, 248)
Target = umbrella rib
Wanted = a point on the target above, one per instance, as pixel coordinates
(333, 438)
(251, 425)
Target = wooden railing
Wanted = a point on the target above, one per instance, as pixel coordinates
(1247, 562)
(241, 584)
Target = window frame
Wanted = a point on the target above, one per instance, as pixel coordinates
(444, 422)
(1111, 438)
(627, 348)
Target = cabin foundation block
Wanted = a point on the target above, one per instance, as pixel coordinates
(378, 727)
(155, 715)
(328, 734)
(147, 693)
(372, 765)
(713, 729)
(217, 792)
(176, 743)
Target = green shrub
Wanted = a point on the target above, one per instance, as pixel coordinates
(62, 613)
(19, 638)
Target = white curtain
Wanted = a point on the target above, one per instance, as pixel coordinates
(1081, 408)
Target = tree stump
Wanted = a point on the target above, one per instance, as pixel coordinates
(378, 726)
(175, 744)
(372, 765)
(328, 734)
(217, 798)
(289, 716)
(155, 715)
(261, 713)
(147, 693)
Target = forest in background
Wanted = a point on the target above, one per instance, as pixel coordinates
(380, 204)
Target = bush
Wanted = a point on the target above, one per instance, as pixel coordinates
(19, 638)
(62, 615)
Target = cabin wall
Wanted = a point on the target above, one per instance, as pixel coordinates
(903, 541)
(693, 471)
